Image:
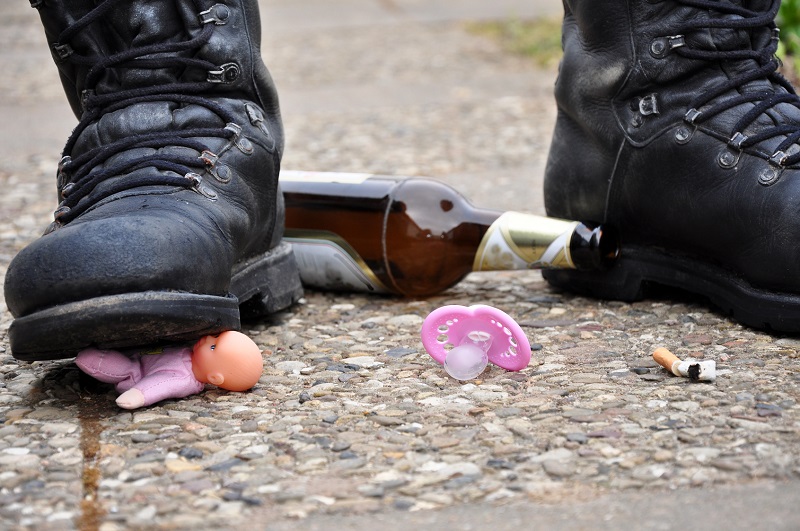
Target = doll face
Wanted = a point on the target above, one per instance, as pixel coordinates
(203, 353)
(205, 344)
(231, 361)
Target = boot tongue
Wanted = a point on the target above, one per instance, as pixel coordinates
(139, 25)
(726, 39)
(741, 39)
(731, 39)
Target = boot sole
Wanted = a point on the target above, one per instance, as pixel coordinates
(640, 269)
(265, 284)
(268, 283)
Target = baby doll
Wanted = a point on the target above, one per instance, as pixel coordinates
(230, 360)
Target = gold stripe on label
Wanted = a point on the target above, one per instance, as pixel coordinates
(525, 241)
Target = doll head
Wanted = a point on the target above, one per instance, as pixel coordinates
(230, 360)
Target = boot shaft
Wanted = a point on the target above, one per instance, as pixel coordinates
(654, 56)
(208, 47)
(634, 70)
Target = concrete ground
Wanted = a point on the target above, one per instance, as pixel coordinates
(352, 425)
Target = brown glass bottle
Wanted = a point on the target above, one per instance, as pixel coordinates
(416, 236)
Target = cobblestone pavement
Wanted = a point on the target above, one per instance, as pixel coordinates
(352, 424)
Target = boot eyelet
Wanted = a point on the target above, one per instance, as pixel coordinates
(245, 146)
(227, 73)
(684, 134)
(231, 72)
(257, 119)
(236, 129)
(778, 159)
(691, 116)
(737, 140)
(648, 105)
(728, 159)
(218, 14)
(61, 52)
(205, 191)
(219, 171)
(658, 48)
(239, 140)
(198, 186)
(209, 158)
(769, 175)
(661, 46)
(222, 173)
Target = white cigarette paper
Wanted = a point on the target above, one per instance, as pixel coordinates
(701, 371)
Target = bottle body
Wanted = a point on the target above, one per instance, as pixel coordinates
(411, 236)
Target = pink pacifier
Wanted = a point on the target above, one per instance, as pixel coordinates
(464, 339)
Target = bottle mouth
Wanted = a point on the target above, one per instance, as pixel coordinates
(608, 245)
(594, 247)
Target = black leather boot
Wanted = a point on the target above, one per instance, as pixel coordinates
(170, 217)
(674, 127)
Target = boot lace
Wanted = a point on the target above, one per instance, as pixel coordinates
(78, 177)
(766, 67)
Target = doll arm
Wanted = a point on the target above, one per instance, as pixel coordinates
(158, 387)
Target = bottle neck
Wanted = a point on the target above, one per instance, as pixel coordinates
(528, 241)
(594, 247)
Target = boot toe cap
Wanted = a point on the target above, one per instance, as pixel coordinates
(123, 254)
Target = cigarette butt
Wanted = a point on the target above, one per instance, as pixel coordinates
(666, 359)
(699, 371)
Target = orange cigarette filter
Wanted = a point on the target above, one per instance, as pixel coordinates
(665, 358)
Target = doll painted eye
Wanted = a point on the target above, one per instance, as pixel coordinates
(212, 347)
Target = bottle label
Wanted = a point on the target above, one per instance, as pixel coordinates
(327, 261)
(525, 241)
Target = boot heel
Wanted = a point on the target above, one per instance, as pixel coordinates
(268, 283)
